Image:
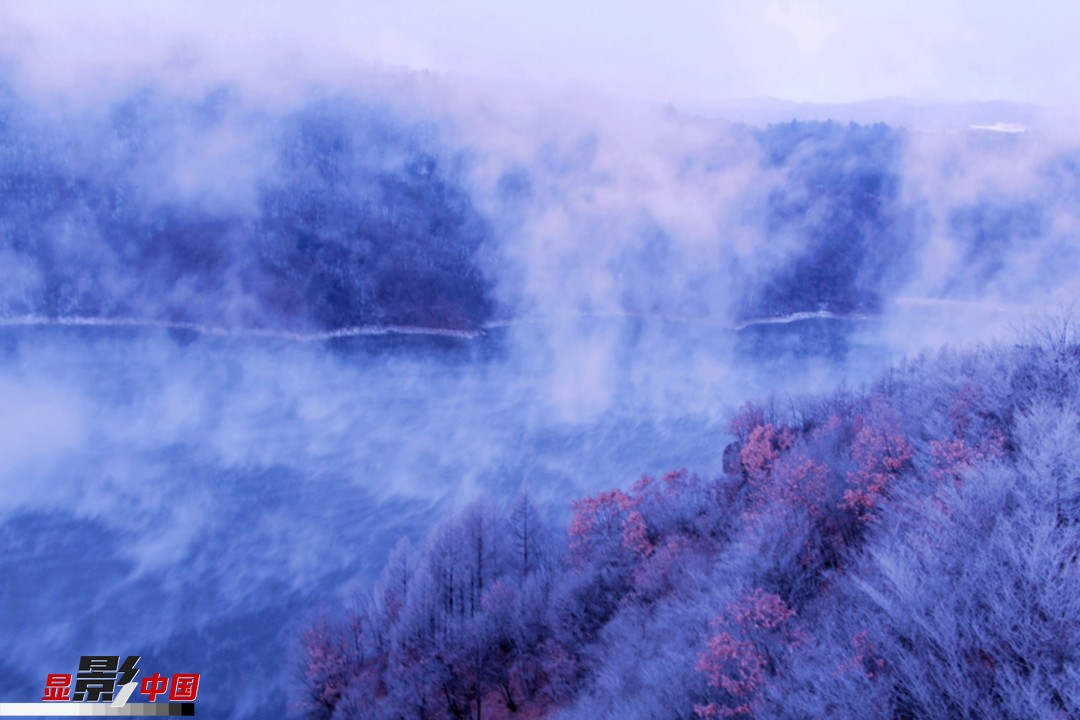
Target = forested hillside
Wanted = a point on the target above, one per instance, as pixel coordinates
(332, 214)
(842, 200)
(906, 550)
(333, 211)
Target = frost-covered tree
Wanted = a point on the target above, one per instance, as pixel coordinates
(903, 551)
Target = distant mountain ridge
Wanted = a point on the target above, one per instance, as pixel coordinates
(900, 112)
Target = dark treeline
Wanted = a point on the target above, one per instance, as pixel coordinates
(335, 214)
(841, 199)
(908, 550)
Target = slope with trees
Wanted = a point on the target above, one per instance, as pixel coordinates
(905, 551)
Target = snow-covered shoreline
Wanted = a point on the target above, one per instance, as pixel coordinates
(378, 330)
(135, 322)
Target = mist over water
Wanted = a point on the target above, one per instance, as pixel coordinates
(197, 467)
(195, 499)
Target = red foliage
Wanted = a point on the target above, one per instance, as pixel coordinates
(880, 453)
(636, 534)
(643, 484)
(741, 656)
(674, 485)
(780, 480)
(748, 417)
(706, 711)
(762, 449)
(736, 667)
(596, 520)
(952, 458)
(599, 519)
(795, 485)
(972, 442)
(759, 609)
(769, 488)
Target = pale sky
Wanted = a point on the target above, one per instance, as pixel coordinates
(677, 50)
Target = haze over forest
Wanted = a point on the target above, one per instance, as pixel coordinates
(413, 363)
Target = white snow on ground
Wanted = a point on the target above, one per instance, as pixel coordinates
(135, 322)
(1002, 127)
